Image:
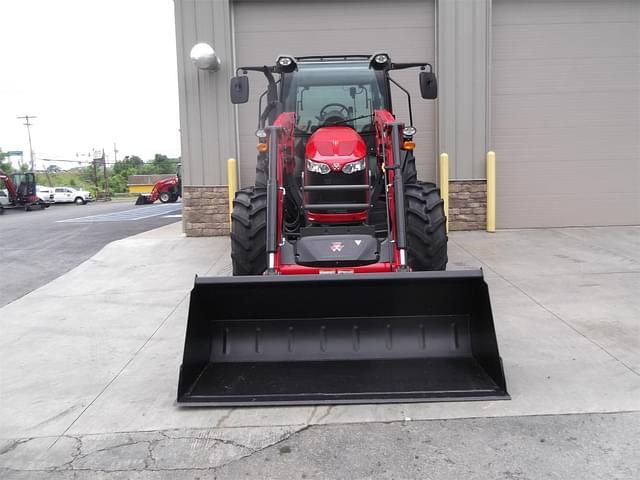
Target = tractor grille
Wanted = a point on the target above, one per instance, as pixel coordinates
(337, 196)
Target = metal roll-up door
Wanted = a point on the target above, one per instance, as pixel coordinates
(566, 112)
(404, 29)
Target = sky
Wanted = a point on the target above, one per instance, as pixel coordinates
(94, 72)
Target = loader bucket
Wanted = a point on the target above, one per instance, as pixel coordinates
(143, 199)
(320, 339)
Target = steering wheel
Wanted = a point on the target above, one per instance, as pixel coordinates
(338, 114)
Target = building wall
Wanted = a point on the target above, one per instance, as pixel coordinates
(475, 54)
(566, 112)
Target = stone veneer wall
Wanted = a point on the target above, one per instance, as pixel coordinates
(467, 204)
(205, 211)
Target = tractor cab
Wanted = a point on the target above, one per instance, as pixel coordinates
(335, 138)
(25, 184)
(335, 174)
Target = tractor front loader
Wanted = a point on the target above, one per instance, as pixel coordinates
(168, 190)
(339, 293)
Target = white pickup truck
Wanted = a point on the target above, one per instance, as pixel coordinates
(45, 193)
(4, 197)
(69, 195)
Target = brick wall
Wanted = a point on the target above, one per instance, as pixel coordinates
(205, 211)
(467, 204)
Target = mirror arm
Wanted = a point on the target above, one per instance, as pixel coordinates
(260, 120)
(244, 70)
(408, 98)
(403, 66)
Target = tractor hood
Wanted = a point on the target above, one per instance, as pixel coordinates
(335, 146)
(167, 181)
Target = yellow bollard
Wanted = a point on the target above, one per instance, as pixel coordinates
(232, 182)
(491, 191)
(444, 183)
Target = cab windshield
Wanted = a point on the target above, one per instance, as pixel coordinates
(328, 94)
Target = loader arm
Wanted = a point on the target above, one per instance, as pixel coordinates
(281, 151)
(13, 193)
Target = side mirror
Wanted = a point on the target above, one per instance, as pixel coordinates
(239, 90)
(428, 85)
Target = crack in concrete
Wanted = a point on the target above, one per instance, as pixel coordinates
(325, 414)
(253, 452)
(74, 456)
(130, 443)
(224, 417)
(14, 444)
(313, 412)
(150, 457)
(216, 439)
(58, 415)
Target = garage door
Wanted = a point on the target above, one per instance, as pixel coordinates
(404, 29)
(566, 112)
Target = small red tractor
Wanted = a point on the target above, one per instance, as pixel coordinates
(339, 293)
(168, 190)
(20, 192)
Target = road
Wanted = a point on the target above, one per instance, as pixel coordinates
(38, 246)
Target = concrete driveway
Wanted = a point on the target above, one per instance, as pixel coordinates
(39, 246)
(88, 374)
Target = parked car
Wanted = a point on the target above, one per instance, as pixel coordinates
(45, 194)
(69, 195)
(4, 197)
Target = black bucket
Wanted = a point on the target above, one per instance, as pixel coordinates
(330, 339)
(143, 199)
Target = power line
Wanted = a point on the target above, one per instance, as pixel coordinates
(90, 162)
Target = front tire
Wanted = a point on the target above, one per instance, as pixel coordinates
(249, 232)
(79, 201)
(426, 227)
(262, 171)
(409, 171)
(164, 197)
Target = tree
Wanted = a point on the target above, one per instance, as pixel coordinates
(162, 164)
(5, 163)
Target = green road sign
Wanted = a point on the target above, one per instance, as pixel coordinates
(14, 153)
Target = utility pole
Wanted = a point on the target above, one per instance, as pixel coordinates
(106, 177)
(115, 153)
(27, 117)
(95, 174)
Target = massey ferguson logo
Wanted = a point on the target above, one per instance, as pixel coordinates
(337, 246)
(336, 167)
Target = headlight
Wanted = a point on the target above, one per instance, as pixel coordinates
(409, 131)
(353, 167)
(381, 58)
(317, 167)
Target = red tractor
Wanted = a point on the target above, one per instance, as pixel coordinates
(168, 190)
(338, 252)
(20, 192)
